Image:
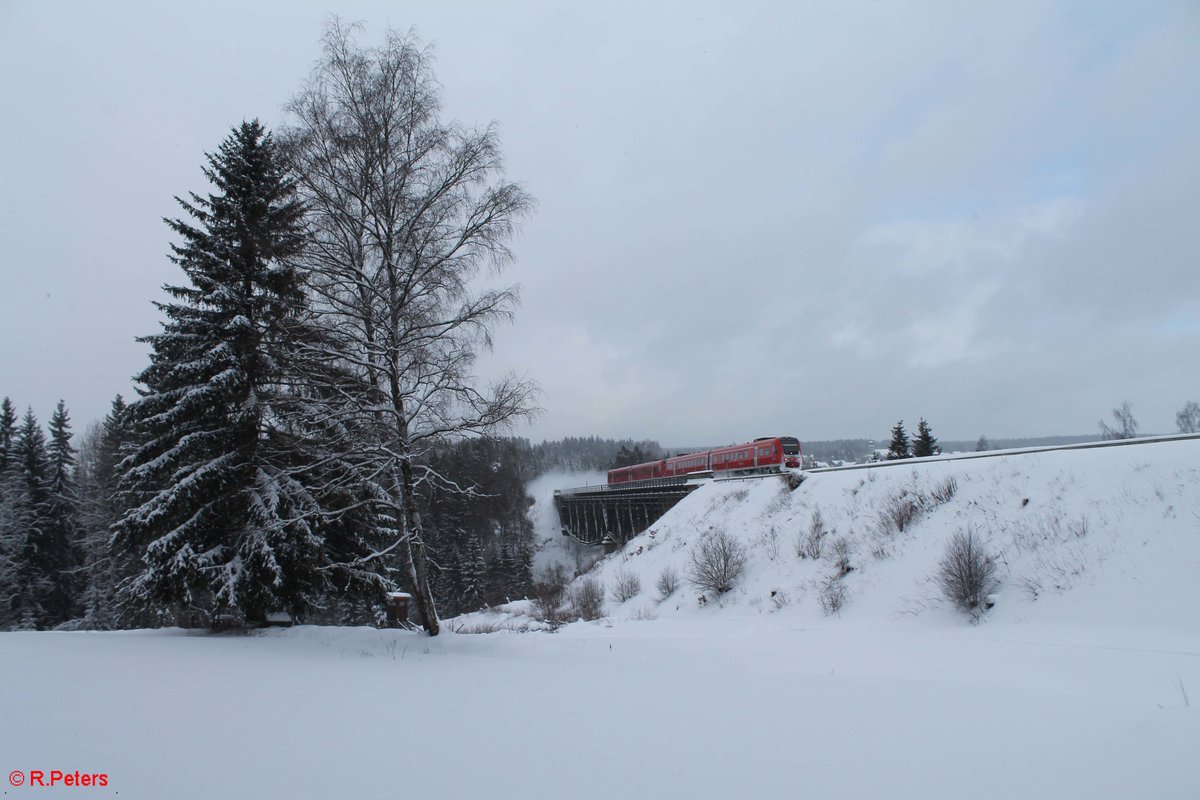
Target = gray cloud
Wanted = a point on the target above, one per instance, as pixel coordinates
(753, 218)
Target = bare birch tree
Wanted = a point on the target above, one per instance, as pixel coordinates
(406, 211)
(1126, 426)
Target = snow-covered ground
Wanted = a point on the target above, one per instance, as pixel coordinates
(1081, 682)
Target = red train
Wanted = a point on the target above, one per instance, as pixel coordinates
(762, 455)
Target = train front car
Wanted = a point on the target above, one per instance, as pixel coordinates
(791, 451)
(762, 455)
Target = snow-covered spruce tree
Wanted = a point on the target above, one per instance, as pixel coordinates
(11, 530)
(925, 444)
(9, 525)
(473, 575)
(218, 504)
(35, 555)
(406, 211)
(8, 431)
(899, 447)
(61, 529)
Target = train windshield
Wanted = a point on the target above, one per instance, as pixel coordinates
(791, 445)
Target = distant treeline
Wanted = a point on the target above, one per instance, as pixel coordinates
(830, 450)
(951, 445)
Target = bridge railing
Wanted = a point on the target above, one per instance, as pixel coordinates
(652, 483)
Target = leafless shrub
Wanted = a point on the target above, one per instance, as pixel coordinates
(900, 511)
(841, 551)
(1188, 418)
(832, 595)
(944, 491)
(808, 545)
(628, 586)
(548, 593)
(903, 510)
(587, 599)
(716, 562)
(644, 615)
(967, 573)
(667, 583)
(1126, 427)
(492, 626)
(778, 502)
(780, 599)
(770, 542)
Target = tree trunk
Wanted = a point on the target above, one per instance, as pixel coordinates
(412, 551)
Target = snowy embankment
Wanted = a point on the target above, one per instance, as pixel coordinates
(1107, 537)
(1081, 682)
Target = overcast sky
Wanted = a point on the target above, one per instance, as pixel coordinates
(753, 218)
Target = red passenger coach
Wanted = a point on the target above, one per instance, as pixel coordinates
(638, 472)
(768, 454)
(686, 465)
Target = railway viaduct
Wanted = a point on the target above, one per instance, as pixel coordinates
(612, 515)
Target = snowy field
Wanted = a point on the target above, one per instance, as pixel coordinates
(1082, 681)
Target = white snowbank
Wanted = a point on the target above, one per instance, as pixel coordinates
(1081, 682)
(1106, 537)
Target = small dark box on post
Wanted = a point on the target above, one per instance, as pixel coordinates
(397, 609)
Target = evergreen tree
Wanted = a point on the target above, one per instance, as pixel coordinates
(10, 525)
(8, 432)
(509, 576)
(523, 582)
(925, 444)
(34, 555)
(983, 444)
(12, 529)
(474, 575)
(450, 578)
(899, 447)
(60, 531)
(219, 506)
